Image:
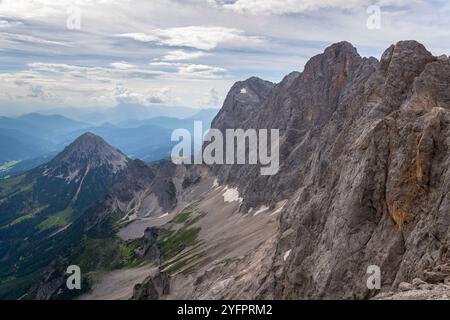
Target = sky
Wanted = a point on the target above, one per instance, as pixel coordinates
(100, 53)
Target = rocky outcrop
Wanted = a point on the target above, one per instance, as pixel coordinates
(434, 285)
(150, 248)
(54, 278)
(153, 288)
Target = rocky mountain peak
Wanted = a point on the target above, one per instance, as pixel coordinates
(340, 48)
(405, 52)
(88, 136)
(87, 152)
(253, 86)
(245, 98)
(338, 60)
(400, 65)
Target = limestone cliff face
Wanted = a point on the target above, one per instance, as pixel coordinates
(365, 158)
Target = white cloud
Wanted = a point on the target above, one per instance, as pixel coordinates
(162, 96)
(200, 70)
(29, 9)
(126, 96)
(122, 65)
(228, 41)
(211, 98)
(266, 7)
(28, 38)
(199, 37)
(256, 7)
(155, 100)
(9, 24)
(38, 91)
(179, 55)
(191, 70)
(119, 70)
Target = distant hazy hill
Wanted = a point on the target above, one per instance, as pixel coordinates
(39, 125)
(51, 124)
(29, 139)
(147, 142)
(124, 112)
(204, 115)
(15, 145)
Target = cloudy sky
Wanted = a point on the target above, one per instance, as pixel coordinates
(98, 53)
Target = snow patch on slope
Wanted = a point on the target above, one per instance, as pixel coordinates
(231, 194)
(286, 255)
(261, 209)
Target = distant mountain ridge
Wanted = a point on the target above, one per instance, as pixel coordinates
(205, 116)
(17, 145)
(124, 112)
(33, 135)
(31, 139)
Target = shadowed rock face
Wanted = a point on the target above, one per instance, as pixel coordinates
(155, 286)
(364, 164)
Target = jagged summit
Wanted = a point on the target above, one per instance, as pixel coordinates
(252, 85)
(410, 46)
(341, 48)
(244, 98)
(409, 51)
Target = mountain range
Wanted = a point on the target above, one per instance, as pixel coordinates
(363, 182)
(123, 112)
(32, 139)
